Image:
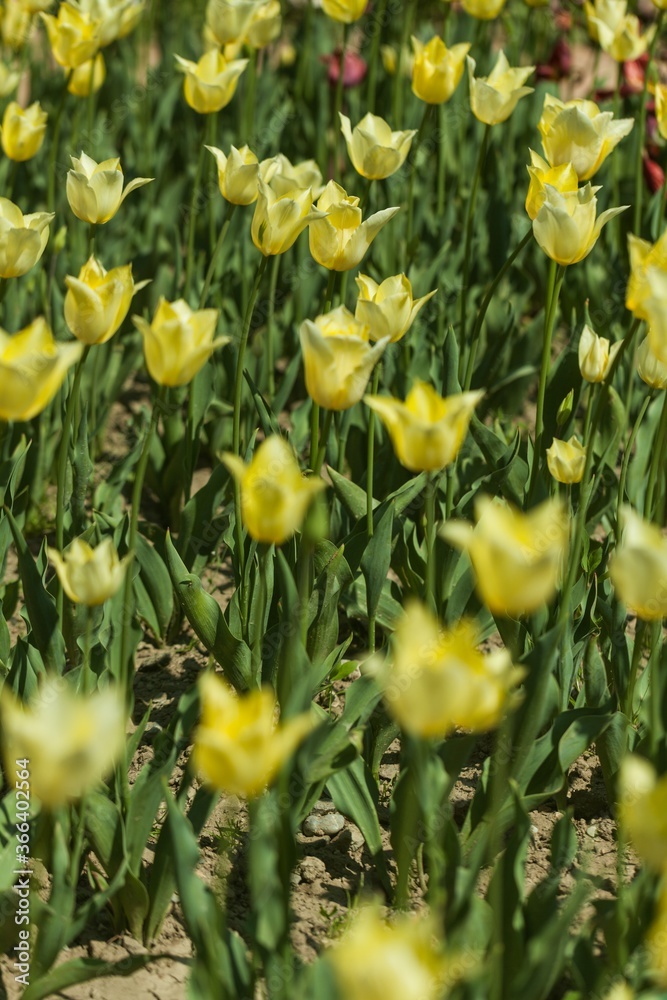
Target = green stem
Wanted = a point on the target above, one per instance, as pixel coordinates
(657, 460)
(229, 212)
(634, 669)
(397, 96)
(411, 185)
(314, 433)
(655, 691)
(442, 162)
(55, 143)
(91, 239)
(270, 346)
(329, 294)
(378, 22)
(430, 537)
(250, 108)
(192, 220)
(338, 100)
(370, 467)
(265, 553)
(87, 674)
(470, 215)
(555, 280)
(641, 132)
(626, 458)
(324, 440)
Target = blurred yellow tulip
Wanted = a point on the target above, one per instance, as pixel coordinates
(238, 174)
(617, 32)
(23, 238)
(73, 35)
(437, 70)
(375, 151)
(264, 26)
(9, 80)
(517, 557)
(596, 355)
(339, 239)
(33, 366)
(89, 575)
(661, 108)
(279, 219)
(567, 226)
(563, 178)
(648, 275)
(656, 939)
(228, 20)
(638, 567)
(493, 98)
(95, 190)
(274, 494)
(238, 748)
(577, 132)
(483, 10)
(435, 681)
(426, 430)
(71, 741)
(345, 11)
(337, 358)
(80, 78)
(114, 18)
(179, 341)
(16, 24)
(211, 83)
(650, 369)
(98, 301)
(642, 810)
(23, 131)
(566, 460)
(388, 309)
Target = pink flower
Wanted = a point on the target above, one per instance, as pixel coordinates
(354, 71)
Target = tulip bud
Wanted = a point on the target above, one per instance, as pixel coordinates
(565, 409)
(33, 366)
(23, 131)
(88, 575)
(95, 190)
(211, 83)
(596, 356)
(98, 301)
(649, 368)
(566, 460)
(638, 567)
(437, 70)
(494, 98)
(238, 174)
(179, 341)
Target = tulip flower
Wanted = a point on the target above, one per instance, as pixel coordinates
(648, 275)
(179, 341)
(494, 98)
(23, 131)
(95, 190)
(280, 219)
(345, 11)
(388, 309)
(238, 174)
(642, 810)
(114, 18)
(264, 26)
(23, 238)
(661, 108)
(517, 558)
(596, 355)
(211, 83)
(389, 57)
(618, 33)
(338, 359)
(655, 941)
(483, 10)
(274, 494)
(426, 430)
(73, 35)
(89, 575)
(437, 681)
(228, 20)
(437, 70)
(9, 80)
(238, 748)
(286, 177)
(33, 366)
(80, 79)
(375, 151)
(16, 24)
(577, 132)
(566, 460)
(562, 177)
(638, 567)
(378, 959)
(98, 301)
(567, 226)
(339, 239)
(650, 368)
(71, 741)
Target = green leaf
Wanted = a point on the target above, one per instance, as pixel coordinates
(376, 559)
(354, 792)
(156, 581)
(83, 970)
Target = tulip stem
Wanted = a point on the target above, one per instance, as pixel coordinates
(324, 440)
(250, 91)
(379, 17)
(55, 142)
(86, 673)
(470, 216)
(397, 96)
(91, 239)
(429, 539)
(370, 464)
(192, 217)
(270, 346)
(338, 100)
(657, 460)
(329, 294)
(641, 132)
(409, 254)
(486, 301)
(229, 211)
(626, 458)
(555, 280)
(264, 553)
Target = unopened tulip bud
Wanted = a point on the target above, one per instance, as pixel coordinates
(566, 460)
(596, 355)
(89, 575)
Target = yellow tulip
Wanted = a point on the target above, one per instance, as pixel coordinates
(179, 341)
(517, 558)
(16, 24)
(95, 190)
(238, 748)
(661, 108)
(338, 359)
(577, 132)
(483, 10)
(9, 80)
(494, 98)
(378, 959)
(562, 177)
(389, 57)
(596, 355)
(567, 226)
(80, 78)
(345, 11)
(89, 575)
(228, 20)
(638, 567)
(280, 219)
(437, 70)
(388, 309)
(274, 494)
(211, 83)
(23, 131)
(426, 430)
(73, 35)
(375, 151)
(650, 369)
(566, 460)
(648, 275)
(238, 174)
(265, 25)
(437, 681)
(71, 741)
(286, 177)
(656, 939)
(339, 240)
(642, 810)
(23, 238)
(98, 301)
(33, 366)
(114, 18)
(617, 31)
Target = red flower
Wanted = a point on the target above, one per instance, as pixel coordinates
(354, 71)
(654, 175)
